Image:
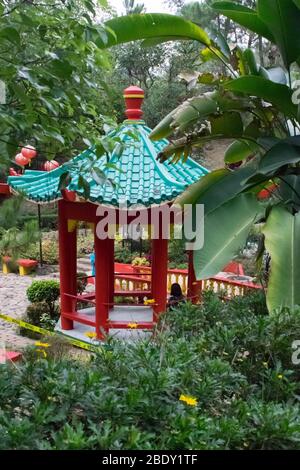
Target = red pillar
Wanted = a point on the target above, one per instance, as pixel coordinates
(103, 259)
(159, 275)
(111, 247)
(67, 264)
(194, 288)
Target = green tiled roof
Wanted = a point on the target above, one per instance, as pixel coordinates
(137, 175)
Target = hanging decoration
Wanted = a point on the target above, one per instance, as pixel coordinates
(50, 165)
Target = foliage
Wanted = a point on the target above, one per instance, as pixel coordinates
(81, 282)
(140, 261)
(50, 251)
(13, 242)
(176, 252)
(231, 357)
(256, 107)
(53, 86)
(43, 310)
(43, 291)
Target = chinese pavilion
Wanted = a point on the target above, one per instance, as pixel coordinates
(140, 180)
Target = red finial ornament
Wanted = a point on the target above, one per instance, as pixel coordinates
(134, 97)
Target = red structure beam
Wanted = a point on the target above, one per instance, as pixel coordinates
(67, 265)
(159, 275)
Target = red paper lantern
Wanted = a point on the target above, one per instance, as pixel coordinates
(29, 152)
(21, 160)
(51, 165)
(13, 172)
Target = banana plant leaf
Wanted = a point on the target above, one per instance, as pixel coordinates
(240, 150)
(278, 156)
(244, 16)
(225, 232)
(153, 25)
(282, 17)
(218, 187)
(289, 191)
(282, 241)
(275, 93)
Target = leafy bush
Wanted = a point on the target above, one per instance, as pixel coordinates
(138, 261)
(81, 282)
(49, 248)
(177, 253)
(43, 291)
(43, 311)
(234, 360)
(123, 255)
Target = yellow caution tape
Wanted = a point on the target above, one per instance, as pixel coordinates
(43, 331)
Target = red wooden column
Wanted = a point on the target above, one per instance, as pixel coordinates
(111, 247)
(103, 260)
(159, 280)
(67, 264)
(194, 287)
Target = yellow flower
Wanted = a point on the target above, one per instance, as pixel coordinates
(280, 376)
(132, 325)
(188, 400)
(42, 345)
(42, 351)
(91, 334)
(265, 364)
(149, 302)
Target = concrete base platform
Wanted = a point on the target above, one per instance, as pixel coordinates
(128, 314)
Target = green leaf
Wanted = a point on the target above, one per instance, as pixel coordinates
(211, 53)
(245, 17)
(163, 129)
(228, 125)
(250, 60)
(152, 42)
(83, 184)
(282, 17)
(279, 95)
(192, 111)
(10, 34)
(134, 27)
(240, 150)
(64, 180)
(217, 187)
(225, 232)
(60, 68)
(289, 190)
(278, 156)
(98, 175)
(282, 241)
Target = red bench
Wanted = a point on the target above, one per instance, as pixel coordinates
(25, 265)
(9, 356)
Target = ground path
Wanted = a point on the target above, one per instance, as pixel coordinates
(13, 302)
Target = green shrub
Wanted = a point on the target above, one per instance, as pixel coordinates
(49, 249)
(38, 315)
(43, 291)
(44, 309)
(230, 356)
(81, 282)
